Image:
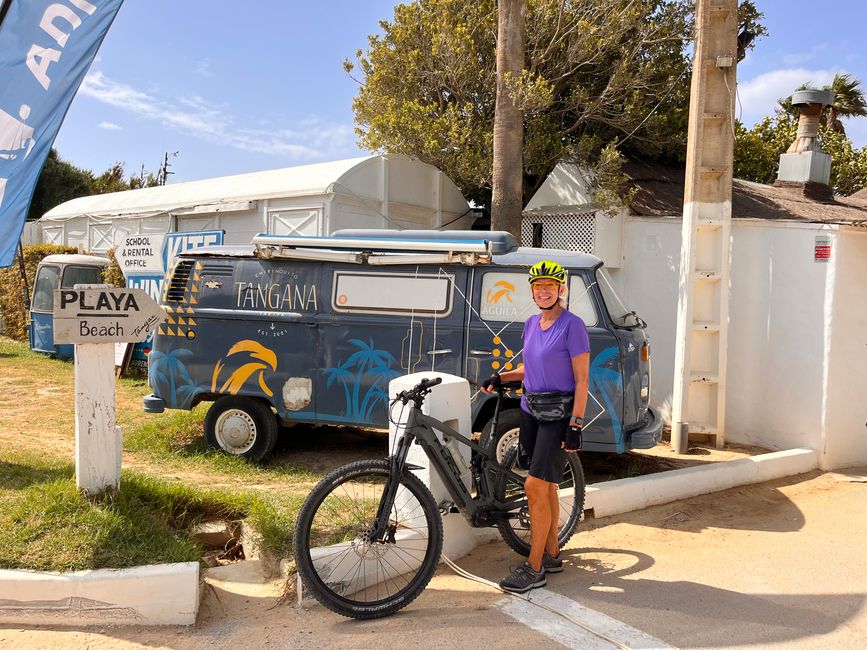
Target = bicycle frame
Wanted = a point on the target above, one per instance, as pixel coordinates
(480, 511)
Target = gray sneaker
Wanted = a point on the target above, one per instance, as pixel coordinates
(552, 564)
(523, 579)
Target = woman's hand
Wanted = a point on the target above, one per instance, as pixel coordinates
(572, 439)
(492, 384)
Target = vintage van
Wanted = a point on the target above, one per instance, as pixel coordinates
(312, 329)
(61, 271)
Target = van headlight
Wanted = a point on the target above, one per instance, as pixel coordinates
(645, 387)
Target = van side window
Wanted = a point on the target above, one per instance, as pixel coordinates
(43, 291)
(73, 275)
(393, 293)
(580, 300)
(506, 297)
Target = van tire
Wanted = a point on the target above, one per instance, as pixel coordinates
(506, 434)
(241, 426)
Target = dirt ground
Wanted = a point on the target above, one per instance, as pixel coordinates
(773, 565)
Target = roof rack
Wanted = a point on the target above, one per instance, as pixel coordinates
(378, 250)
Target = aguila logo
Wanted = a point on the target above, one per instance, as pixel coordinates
(500, 290)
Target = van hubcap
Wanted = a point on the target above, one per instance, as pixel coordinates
(236, 431)
(506, 442)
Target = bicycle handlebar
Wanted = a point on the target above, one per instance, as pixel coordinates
(417, 392)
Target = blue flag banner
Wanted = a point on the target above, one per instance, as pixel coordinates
(46, 47)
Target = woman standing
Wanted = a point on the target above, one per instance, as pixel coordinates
(555, 374)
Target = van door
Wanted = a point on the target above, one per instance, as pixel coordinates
(384, 322)
(503, 302)
(42, 308)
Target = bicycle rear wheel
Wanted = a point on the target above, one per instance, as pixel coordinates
(515, 531)
(343, 569)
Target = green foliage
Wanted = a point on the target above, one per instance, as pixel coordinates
(595, 70)
(12, 307)
(757, 153)
(58, 182)
(112, 274)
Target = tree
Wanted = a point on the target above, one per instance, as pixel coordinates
(508, 133)
(59, 181)
(848, 102)
(757, 153)
(594, 71)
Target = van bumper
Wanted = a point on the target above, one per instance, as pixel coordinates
(647, 436)
(154, 404)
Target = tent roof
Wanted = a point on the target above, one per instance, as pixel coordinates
(304, 180)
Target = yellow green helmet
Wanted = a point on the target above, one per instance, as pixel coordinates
(547, 270)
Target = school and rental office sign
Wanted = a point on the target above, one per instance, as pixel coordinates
(104, 315)
(46, 47)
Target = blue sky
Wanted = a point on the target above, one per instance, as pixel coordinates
(238, 87)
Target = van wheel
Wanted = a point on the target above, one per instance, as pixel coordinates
(506, 435)
(241, 426)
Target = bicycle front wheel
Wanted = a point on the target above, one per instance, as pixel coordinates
(341, 566)
(515, 531)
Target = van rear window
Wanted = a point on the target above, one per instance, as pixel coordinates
(395, 293)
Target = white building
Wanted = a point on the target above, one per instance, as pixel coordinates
(386, 191)
(797, 338)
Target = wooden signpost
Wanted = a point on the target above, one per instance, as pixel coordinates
(94, 318)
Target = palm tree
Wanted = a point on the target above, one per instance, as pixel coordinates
(848, 101)
(507, 181)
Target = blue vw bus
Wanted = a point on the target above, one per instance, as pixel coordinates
(312, 329)
(62, 271)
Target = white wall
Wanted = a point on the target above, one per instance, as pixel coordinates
(845, 435)
(782, 391)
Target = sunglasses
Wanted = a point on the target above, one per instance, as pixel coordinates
(545, 285)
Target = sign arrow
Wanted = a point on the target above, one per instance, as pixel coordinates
(104, 315)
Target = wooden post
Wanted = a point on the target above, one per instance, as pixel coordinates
(98, 441)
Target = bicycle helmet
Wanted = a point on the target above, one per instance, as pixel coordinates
(547, 270)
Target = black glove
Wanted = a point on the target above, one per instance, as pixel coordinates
(492, 383)
(572, 438)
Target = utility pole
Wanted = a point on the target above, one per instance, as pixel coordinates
(163, 173)
(698, 404)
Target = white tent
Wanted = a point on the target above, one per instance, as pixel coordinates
(386, 191)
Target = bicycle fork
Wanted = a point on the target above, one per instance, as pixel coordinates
(382, 531)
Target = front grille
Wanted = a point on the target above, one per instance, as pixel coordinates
(178, 283)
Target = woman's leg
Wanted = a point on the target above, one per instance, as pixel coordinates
(552, 543)
(539, 503)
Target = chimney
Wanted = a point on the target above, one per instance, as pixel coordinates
(805, 165)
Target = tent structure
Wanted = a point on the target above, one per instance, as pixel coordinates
(383, 191)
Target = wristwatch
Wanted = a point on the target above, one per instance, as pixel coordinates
(576, 420)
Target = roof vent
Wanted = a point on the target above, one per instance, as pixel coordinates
(805, 162)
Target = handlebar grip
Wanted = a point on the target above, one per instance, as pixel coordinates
(427, 383)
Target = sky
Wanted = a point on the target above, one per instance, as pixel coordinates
(240, 87)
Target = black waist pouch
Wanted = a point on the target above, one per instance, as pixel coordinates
(550, 407)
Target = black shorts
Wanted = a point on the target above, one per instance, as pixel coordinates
(539, 449)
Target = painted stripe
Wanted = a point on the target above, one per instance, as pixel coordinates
(572, 624)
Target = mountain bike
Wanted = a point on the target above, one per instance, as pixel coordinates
(368, 537)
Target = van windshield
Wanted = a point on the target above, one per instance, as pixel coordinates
(43, 292)
(620, 315)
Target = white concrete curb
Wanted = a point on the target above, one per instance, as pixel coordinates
(628, 494)
(158, 594)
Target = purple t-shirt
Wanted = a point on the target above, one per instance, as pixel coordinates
(548, 354)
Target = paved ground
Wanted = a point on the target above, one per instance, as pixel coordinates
(775, 565)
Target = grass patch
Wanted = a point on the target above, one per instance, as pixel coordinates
(50, 525)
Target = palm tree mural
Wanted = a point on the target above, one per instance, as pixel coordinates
(169, 377)
(367, 366)
(607, 382)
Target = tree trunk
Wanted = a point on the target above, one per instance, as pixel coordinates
(507, 199)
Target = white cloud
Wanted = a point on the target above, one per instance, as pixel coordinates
(203, 68)
(758, 97)
(110, 126)
(312, 139)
